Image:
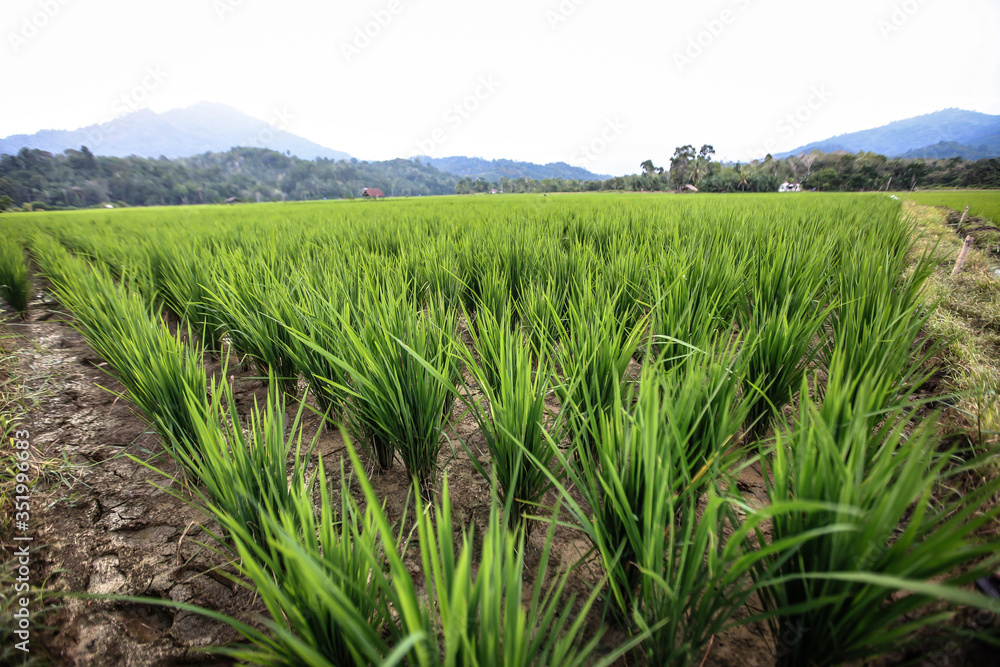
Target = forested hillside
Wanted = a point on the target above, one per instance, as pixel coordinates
(79, 178)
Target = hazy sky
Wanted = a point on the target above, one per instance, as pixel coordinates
(595, 83)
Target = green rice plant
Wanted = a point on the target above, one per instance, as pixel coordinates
(569, 268)
(185, 275)
(54, 262)
(595, 351)
(518, 261)
(710, 276)
(15, 286)
(700, 570)
(437, 273)
(540, 311)
(321, 574)
(679, 558)
(398, 360)
(256, 308)
(783, 341)
(243, 468)
(624, 276)
(494, 294)
(515, 386)
(478, 610)
(855, 594)
(490, 339)
(784, 274)
(159, 371)
(877, 322)
(339, 592)
(474, 260)
(706, 406)
(322, 314)
(685, 313)
(687, 420)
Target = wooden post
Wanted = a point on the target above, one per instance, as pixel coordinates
(963, 217)
(963, 255)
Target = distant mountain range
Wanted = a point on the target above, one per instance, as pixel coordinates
(202, 128)
(216, 128)
(494, 170)
(943, 134)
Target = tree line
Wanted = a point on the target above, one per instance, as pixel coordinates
(36, 179)
(827, 172)
(79, 179)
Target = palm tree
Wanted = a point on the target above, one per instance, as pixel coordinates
(696, 172)
(743, 183)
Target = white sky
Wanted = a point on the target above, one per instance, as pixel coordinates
(564, 72)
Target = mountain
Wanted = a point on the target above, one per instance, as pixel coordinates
(202, 128)
(949, 149)
(494, 170)
(943, 134)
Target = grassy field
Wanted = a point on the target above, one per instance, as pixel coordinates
(610, 366)
(983, 203)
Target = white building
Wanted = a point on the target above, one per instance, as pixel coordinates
(789, 187)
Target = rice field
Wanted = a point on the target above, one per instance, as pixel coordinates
(982, 203)
(618, 363)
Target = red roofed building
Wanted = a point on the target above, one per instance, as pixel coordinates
(374, 193)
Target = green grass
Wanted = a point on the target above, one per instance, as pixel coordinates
(982, 203)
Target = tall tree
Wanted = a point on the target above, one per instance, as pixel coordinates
(680, 164)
